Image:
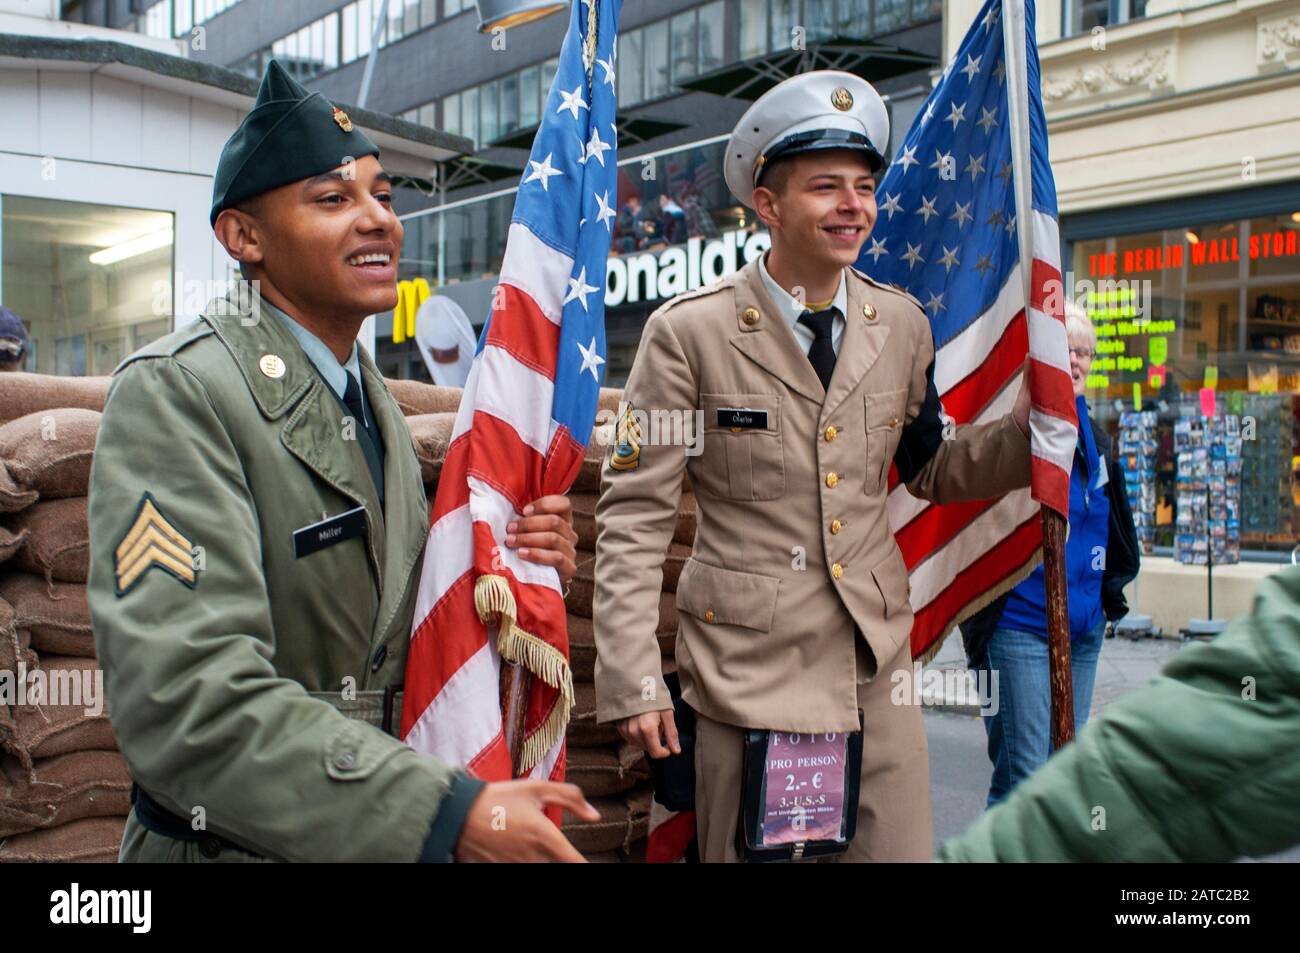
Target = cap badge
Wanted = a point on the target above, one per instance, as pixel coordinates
(842, 99)
(342, 119)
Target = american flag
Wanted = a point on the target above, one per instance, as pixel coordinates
(948, 233)
(521, 432)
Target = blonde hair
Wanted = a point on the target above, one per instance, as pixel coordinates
(1078, 326)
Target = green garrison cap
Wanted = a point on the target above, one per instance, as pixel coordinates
(291, 134)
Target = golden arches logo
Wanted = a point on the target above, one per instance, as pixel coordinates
(410, 295)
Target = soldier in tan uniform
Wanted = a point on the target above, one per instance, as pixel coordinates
(811, 378)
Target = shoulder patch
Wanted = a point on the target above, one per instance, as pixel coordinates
(626, 452)
(152, 540)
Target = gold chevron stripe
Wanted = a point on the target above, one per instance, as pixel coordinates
(149, 516)
(152, 541)
(153, 556)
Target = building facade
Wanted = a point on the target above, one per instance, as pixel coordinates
(686, 71)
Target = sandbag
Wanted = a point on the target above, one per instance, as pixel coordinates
(15, 643)
(56, 614)
(22, 394)
(46, 730)
(50, 451)
(623, 821)
(10, 543)
(12, 496)
(415, 398)
(58, 546)
(431, 434)
(63, 789)
(582, 647)
(583, 731)
(603, 771)
(582, 590)
(92, 840)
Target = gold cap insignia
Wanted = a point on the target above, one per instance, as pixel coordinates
(842, 99)
(342, 119)
(152, 541)
(272, 365)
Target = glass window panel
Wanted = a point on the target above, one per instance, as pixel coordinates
(656, 60)
(685, 40)
(411, 22)
(509, 103)
(469, 115)
(819, 18)
(753, 28)
(331, 41)
(427, 117)
(317, 45)
(710, 36)
(892, 14)
(184, 17)
(365, 26)
(428, 12)
(349, 33)
(81, 277)
(530, 97)
(855, 18)
(396, 13)
(489, 113)
(631, 85)
(451, 113)
(549, 69)
(785, 17)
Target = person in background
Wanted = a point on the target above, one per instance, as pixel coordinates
(625, 231)
(13, 341)
(1009, 637)
(673, 220)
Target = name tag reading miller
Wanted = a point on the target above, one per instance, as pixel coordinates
(327, 532)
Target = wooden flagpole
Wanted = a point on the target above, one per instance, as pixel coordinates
(1015, 39)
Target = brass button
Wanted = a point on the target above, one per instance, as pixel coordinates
(837, 570)
(894, 422)
(832, 478)
(831, 432)
(869, 312)
(708, 616)
(751, 316)
(836, 526)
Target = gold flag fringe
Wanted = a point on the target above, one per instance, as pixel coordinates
(493, 598)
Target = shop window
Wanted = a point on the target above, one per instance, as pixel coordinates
(685, 41)
(1209, 307)
(89, 281)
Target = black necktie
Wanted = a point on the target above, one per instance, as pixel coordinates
(822, 354)
(352, 399)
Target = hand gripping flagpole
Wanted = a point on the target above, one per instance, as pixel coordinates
(1015, 38)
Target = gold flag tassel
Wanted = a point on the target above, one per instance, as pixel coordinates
(493, 598)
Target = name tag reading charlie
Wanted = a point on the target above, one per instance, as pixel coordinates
(742, 418)
(327, 532)
(805, 788)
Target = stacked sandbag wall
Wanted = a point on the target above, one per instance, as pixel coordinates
(64, 787)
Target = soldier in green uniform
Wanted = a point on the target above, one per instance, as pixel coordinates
(257, 523)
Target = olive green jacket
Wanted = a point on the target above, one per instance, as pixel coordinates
(1200, 765)
(208, 667)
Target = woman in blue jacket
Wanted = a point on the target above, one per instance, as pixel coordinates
(1009, 637)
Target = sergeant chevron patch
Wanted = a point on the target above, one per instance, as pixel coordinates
(152, 541)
